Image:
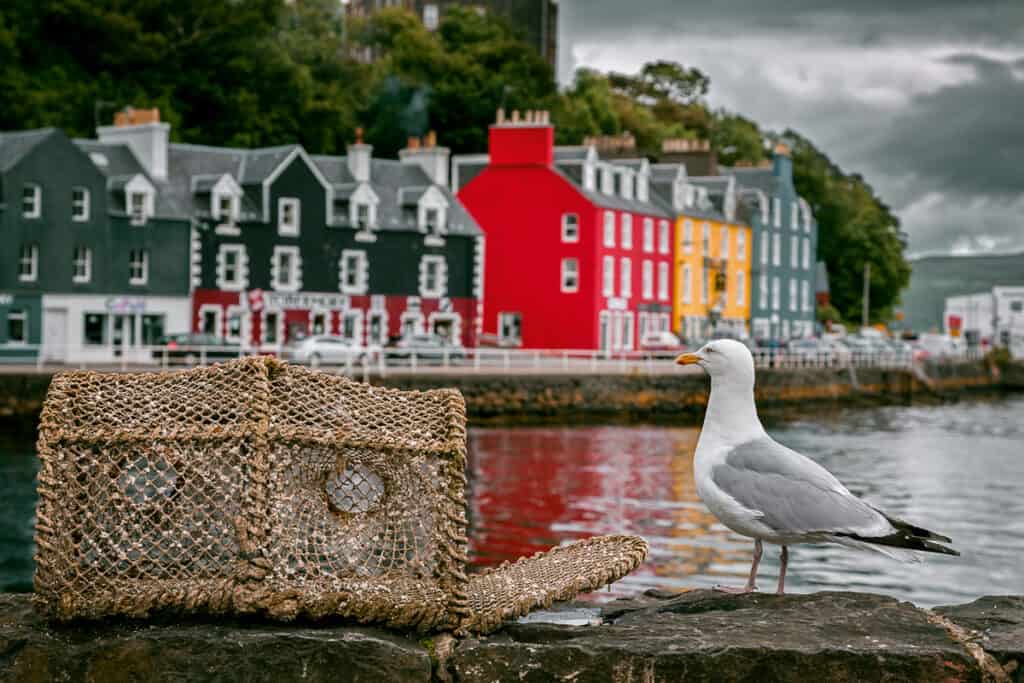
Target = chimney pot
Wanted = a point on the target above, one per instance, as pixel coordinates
(413, 143)
(431, 139)
(515, 116)
(359, 136)
(501, 115)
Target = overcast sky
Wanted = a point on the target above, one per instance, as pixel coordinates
(925, 99)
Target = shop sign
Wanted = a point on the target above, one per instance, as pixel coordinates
(304, 301)
(126, 304)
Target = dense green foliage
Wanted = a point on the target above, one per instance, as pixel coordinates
(262, 72)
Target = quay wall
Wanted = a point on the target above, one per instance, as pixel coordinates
(681, 397)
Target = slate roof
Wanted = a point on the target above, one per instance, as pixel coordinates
(122, 165)
(15, 145)
(570, 153)
(398, 186)
(756, 178)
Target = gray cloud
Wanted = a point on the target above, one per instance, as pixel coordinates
(921, 98)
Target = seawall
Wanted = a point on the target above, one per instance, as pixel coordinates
(681, 397)
(693, 636)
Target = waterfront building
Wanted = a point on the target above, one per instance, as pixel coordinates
(993, 317)
(288, 245)
(579, 255)
(712, 254)
(97, 261)
(784, 247)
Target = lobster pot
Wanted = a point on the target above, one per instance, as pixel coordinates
(255, 487)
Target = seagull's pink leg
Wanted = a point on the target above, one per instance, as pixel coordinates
(784, 558)
(751, 582)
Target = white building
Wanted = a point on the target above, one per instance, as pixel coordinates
(994, 317)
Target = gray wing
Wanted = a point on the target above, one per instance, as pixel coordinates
(794, 494)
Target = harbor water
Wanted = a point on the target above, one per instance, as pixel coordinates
(957, 469)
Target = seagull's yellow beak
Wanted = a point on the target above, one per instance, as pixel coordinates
(688, 359)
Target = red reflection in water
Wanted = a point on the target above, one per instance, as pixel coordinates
(537, 487)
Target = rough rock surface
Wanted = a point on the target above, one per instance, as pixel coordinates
(707, 636)
(695, 636)
(997, 623)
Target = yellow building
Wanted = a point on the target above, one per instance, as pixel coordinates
(712, 254)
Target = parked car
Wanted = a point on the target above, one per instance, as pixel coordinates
(324, 349)
(938, 346)
(814, 350)
(428, 348)
(661, 341)
(190, 349)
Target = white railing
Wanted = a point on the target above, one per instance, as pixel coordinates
(366, 362)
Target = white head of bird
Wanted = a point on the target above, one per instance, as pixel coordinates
(727, 362)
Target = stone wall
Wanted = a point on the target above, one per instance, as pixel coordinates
(698, 635)
(680, 397)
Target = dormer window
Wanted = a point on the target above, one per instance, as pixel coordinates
(137, 207)
(362, 216)
(288, 209)
(31, 201)
(589, 181)
(226, 208)
(79, 204)
(432, 220)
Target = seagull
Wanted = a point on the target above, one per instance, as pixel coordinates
(760, 489)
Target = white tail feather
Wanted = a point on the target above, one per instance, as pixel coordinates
(903, 555)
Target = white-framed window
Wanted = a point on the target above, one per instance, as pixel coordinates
(353, 272)
(362, 212)
(741, 245)
(81, 265)
(776, 293)
(433, 276)
(687, 236)
(608, 276)
(664, 239)
(704, 286)
(377, 327)
(232, 267)
(705, 234)
(776, 212)
(28, 263)
(687, 283)
(776, 249)
(762, 291)
(663, 284)
(235, 321)
(627, 231)
(741, 287)
(785, 329)
(609, 228)
(570, 227)
(318, 321)
(723, 242)
(352, 326)
(570, 276)
(792, 294)
(286, 269)
(288, 216)
(627, 330)
(138, 207)
(647, 279)
(765, 248)
(271, 327)
(807, 253)
(432, 222)
(17, 326)
(138, 266)
(31, 201)
(794, 216)
(794, 252)
(648, 245)
(807, 219)
(79, 204)
(805, 295)
(510, 326)
(625, 278)
(210, 319)
(642, 318)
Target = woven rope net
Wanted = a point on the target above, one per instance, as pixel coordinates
(255, 487)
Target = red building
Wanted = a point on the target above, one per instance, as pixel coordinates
(578, 252)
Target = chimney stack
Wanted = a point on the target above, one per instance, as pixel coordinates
(144, 134)
(359, 157)
(428, 156)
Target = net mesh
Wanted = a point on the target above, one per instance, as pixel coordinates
(255, 487)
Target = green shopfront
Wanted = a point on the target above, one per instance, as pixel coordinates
(20, 327)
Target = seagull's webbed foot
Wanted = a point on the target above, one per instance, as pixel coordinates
(752, 581)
